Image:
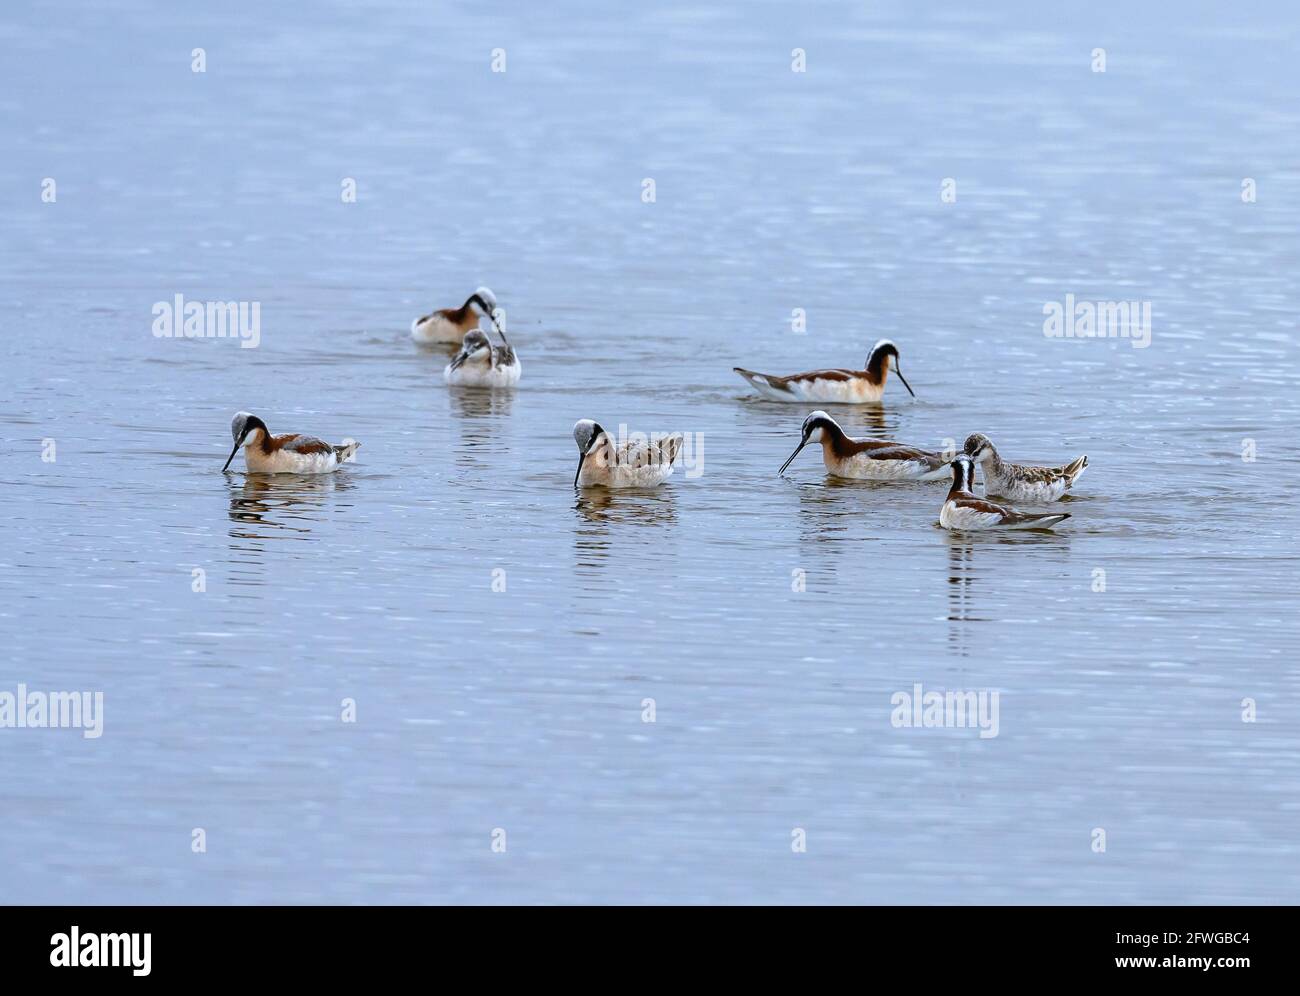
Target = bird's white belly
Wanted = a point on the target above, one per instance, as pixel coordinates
(954, 516)
(624, 475)
(289, 462)
(861, 467)
(436, 329)
(481, 374)
(855, 391)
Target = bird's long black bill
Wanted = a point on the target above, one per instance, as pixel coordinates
(232, 456)
(578, 473)
(792, 456)
(904, 380)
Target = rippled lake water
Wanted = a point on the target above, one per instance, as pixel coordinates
(523, 710)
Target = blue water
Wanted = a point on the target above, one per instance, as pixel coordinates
(522, 710)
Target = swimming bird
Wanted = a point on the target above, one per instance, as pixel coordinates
(849, 387)
(639, 462)
(481, 364)
(867, 459)
(288, 454)
(1038, 485)
(451, 324)
(962, 510)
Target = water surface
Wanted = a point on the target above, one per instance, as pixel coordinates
(522, 709)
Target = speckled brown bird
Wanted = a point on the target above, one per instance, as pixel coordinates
(1037, 485)
(963, 511)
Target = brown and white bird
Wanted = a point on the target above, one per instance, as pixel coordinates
(481, 364)
(638, 461)
(963, 511)
(291, 453)
(836, 386)
(867, 459)
(1036, 485)
(451, 324)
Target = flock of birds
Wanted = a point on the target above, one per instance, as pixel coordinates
(641, 462)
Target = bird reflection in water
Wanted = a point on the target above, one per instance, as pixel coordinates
(825, 518)
(478, 402)
(961, 601)
(603, 513)
(871, 419)
(275, 507)
(281, 502)
(480, 412)
(963, 574)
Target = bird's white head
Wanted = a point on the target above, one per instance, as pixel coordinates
(883, 347)
(486, 300)
(585, 432)
(243, 425)
(878, 363)
(474, 343)
(816, 425)
(487, 305)
(815, 429)
(244, 428)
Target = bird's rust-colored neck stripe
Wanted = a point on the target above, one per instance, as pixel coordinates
(878, 368)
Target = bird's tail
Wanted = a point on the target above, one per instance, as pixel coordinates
(763, 384)
(1044, 521)
(669, 447)
(942, 472)
(346, 451)
(1074, 470)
